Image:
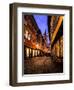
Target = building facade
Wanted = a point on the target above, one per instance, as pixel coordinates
(56, 37)
(34, 42)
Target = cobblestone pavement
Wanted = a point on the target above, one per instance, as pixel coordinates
(38, 65)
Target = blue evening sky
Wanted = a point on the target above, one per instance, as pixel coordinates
(41, 21)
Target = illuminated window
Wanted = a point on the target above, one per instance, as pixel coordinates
(36, 52)
(27, 52)
(30, 51)
(29, 37)
(33, 52)
(26, 34)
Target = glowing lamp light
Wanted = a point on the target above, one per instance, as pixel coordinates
(37, 45)
(26, 34)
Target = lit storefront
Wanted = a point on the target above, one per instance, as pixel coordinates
(30, 53)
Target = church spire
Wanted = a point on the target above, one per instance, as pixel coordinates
(45, 33)
(45, 36)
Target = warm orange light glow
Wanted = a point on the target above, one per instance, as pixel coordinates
(33, 52)
(57, 28)
(26, 34)
(37, 45)
(27, 52)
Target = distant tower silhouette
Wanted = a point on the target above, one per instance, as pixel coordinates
(45, 37)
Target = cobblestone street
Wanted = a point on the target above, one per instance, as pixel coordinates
(38, 65)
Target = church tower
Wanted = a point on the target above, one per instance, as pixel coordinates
(45, 37)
